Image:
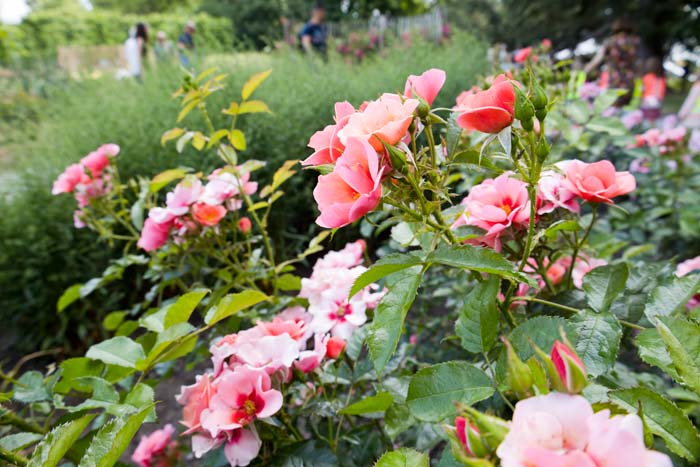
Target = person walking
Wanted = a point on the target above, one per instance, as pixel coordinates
(185, 43)
(619, 52)
(313, 35)
(135, 50)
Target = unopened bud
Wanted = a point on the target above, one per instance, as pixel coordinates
(518, 373)
(469, 437)
(492, 429)
(334, 347)
(543, 148)
(524, 110)
(569, 367)
(397, 158)
(244, 225)
(539, 97)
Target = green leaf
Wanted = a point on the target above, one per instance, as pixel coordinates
(434, 390)
(603, 284)
(598, 340)
(165, 177)
(377, 403)
(73, 369)
(653, 351)
(120, 350)
(70, 295)
(58, 441)
(18, 441)
(663, 418)
(171, 134)
(237, 139)
(289, 282)
(403, 458)
(165, 338)
(477, 259)
(175, 313)
(387, 326)
(398, 419)
(477, 324)
(382, 268)
(253, 107)
(112, 439)
(113, 320)
(682, 340)
(665, 299)
(233, 303)
(253, 82)
(216, 137)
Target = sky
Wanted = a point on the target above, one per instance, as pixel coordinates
(12, 11)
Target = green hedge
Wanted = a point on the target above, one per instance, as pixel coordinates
(44, 254)
(42, 32)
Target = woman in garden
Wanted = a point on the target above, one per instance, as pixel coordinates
(654, 89)
(135, 49)
(619, 52)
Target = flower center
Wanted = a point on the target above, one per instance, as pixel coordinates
(249, 407)
(506, 208)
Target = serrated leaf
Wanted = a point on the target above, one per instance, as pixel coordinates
(171, 134)
(665, 299)
(70, 295)
(433, 391)
(30, 387)
(120, 350)
(253, 82)
(477, 324)
(233, 303)
(112, 439)
(58, 441)
(477, 259)
(387, 326)
(682, 340)
(604, 284)
(18, 441)
(653, 351)
(403, 458)
(663, 418)
(371, 404)
(598, 340)
(387, 265)
(175, 313)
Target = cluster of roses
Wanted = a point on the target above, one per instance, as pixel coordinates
(666, 139)
(501, 205)
(558, 428)
(251, 366)
(193, 206)
(87, 180)
(355, 145)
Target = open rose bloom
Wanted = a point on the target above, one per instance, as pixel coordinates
(488, 111)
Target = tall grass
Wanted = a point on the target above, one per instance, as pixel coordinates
(42, 253)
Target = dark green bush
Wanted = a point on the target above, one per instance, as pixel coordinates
(42, 253)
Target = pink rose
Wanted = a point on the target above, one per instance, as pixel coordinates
(560, 429)
(426, 86)
(208, 215)
(242, 447)
(553, 193)
(334, 347)
(597, 182)
(194, 399)
(326, 143)
(522, 54)
(385, 120)
(68, 180)
(185, 193)
(153, 446)
(98, 160)
(244, 225)
(309, 360)
(242, 395)
(584, 265)
(494, 206)
(353, 189)
(488, 111)
(686, 267)
(153, 235)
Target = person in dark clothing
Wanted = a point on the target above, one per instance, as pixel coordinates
(313, 35)
(185, 43)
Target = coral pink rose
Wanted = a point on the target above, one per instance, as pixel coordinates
(597, 182)
(557, 270)
(153, 235)
(353, 189)
(244, 225)
(208, 215)
(561, 430)
(426, 86)
(242, 447)
(522, 54)
(98, 160)
(326, 143)
(153, 446)
(495, 205)
(68, 180)
(334, 347)
(242, 395)
(488, 111)
(385, 120)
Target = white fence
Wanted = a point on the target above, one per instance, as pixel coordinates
(430, 24)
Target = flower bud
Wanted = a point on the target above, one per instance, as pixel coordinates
(542, 149)
(469, 437)
(554, 379)
(539, 98)
(334, 347)
(397, 158)
(569, 367)
(518, 373)
(423, 108)
(244, 225)
(491, 429)
(524, 110)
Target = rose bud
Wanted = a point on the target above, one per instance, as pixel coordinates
(334, 347)
(569, 367)
(244, 225)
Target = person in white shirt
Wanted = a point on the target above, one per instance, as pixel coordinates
(135, 50)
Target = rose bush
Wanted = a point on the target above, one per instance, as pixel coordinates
(505, 323)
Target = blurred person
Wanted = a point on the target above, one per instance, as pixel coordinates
(185, 43)
(653, 89)
(135, 50)
(313, 35)
(163, 48)
(619, 52)
(689, 114)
